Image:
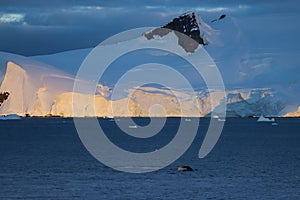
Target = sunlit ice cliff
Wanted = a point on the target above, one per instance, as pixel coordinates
(293, 114)
(43, 85)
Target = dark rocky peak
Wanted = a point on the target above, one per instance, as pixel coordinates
(187, 24)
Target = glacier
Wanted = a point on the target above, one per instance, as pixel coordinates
(49, 93)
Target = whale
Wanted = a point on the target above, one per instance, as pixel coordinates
(185, 168)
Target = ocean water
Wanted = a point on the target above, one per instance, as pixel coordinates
(43, 158)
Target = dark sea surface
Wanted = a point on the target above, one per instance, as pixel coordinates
(43, 158)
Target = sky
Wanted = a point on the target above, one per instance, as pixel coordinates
(34, 27)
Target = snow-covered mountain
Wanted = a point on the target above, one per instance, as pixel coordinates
(34, 86)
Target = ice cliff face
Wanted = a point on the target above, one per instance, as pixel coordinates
(35, 89)
(40, 93)
(52, 94)
(293, 114)
(31, 91)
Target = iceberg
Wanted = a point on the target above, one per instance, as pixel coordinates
(264, 119)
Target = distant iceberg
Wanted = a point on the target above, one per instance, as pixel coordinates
(264, 119)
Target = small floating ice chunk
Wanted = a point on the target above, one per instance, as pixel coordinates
(10, 117)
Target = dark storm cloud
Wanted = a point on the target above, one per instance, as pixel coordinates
(287, 4)
(38, 27)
